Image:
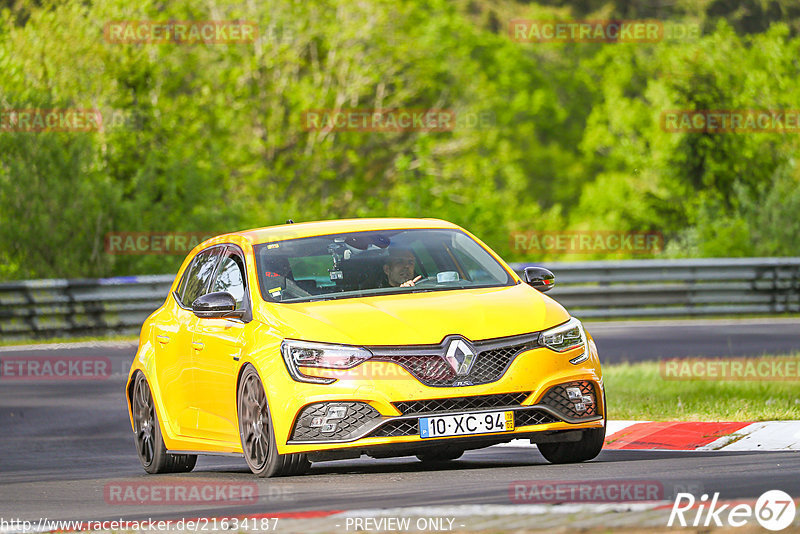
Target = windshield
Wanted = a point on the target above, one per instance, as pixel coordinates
(361, 264)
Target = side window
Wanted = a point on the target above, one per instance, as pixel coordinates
(182, 283)
(200, 272)
(230, 278)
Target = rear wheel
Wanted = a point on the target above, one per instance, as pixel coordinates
(257, 434)
(147, 434)
(440, 455)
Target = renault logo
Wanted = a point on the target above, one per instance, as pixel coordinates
(460, 355)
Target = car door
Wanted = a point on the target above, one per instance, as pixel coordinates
(217, 345)
(173, 339)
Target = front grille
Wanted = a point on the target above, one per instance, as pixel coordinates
(460, 404)
(433, 370)
(556, 398)
(396, 428)
(428, 364)
(534, 416)
(358, 417)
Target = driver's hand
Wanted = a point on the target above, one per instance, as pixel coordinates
(411, 283)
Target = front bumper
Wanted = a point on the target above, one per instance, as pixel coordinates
(386, 412)
(350, 421)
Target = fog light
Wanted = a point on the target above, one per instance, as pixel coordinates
(329, 421)
(588, 399)
(580, 407)
(337, 412)
(328, 427)
(574, 394)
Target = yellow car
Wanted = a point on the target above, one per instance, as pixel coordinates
(386, 337)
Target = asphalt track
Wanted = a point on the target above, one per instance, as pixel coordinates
(63, 444)
(654, 340)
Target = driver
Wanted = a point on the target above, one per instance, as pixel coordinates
(399, 268)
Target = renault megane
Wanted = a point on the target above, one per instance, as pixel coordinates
(386, 337)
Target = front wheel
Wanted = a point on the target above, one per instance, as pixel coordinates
(440, 455)
(570, 452)
(147, 434)
(257, 434)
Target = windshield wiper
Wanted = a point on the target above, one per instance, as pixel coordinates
(325, 297)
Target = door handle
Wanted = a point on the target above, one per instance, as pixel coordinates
(163, 339)
(198, 345)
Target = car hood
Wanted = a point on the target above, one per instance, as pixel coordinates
(417, 318)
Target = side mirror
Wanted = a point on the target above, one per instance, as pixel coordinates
(539, 278)
(216, 305)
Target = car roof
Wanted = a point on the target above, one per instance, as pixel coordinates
(310, 229)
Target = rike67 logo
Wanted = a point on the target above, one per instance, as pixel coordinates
(774, 510)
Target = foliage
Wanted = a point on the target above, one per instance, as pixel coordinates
(210, 138)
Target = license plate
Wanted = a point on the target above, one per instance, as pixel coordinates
(465, 424)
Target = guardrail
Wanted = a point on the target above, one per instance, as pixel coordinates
(46, 308)
(669, 288)
(595, 289)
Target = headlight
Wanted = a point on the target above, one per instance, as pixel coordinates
(298, 354)
(567, 336)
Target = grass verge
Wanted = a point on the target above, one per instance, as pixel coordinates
(638, 391)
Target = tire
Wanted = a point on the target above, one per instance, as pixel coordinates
(571, 452)
(440, 455)
(257, 434)
(147, 434)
